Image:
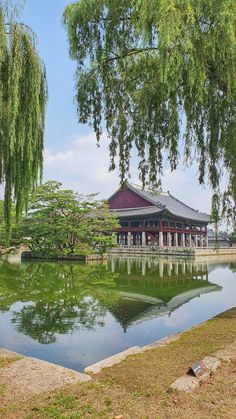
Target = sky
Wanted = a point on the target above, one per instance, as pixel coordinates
(71, 154)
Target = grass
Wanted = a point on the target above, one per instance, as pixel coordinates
(2, 389)
(6, 361)
(138, 387)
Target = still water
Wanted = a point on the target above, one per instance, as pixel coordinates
(74, 314)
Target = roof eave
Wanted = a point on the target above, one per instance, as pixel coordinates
(187, 218)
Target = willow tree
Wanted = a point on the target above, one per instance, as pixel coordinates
(160, 75)
(23, 96)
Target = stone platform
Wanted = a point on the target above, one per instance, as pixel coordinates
(193, 252)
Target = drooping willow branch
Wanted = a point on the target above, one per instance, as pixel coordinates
(27, 28)
(23, 97)
(160, 75)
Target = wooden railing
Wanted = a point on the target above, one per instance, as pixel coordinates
(159, 229)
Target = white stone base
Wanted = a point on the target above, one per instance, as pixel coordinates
(112, 360)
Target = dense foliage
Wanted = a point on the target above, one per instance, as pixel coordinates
(16, 238)
(160, 75)
(23, 96)
(63, 222)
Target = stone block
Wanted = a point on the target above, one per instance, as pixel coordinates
(189, 383)
(211, 363)
(162, 342)
(186, 383)
(112, 360)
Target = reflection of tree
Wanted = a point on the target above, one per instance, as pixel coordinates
(232, 266)
(61, 297)
(43, 321)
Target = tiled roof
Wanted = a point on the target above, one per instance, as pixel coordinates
(171, 204)
(131, 212)
(159, 202)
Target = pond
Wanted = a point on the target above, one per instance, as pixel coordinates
(74, 314)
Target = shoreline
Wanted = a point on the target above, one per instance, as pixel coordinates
(139, 386)
(28, 255)
(120, 356)
(139, 251)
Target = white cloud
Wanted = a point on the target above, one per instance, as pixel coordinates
(85, 167)
(82, 166)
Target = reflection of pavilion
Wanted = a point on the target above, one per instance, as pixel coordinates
(150, 288)
(162, 267)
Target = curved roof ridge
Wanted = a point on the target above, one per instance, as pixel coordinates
(188, 206)
(167, 193)
(140, 188)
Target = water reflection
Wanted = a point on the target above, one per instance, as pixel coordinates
(77, 306)
(59, 297)
(155, 287)
(64, 297)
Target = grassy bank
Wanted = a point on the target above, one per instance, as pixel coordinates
(138, 387)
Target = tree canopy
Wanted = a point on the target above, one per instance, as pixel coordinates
(160, 75)
(23, 97)
(64, 222)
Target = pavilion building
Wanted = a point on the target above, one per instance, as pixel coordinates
(157, 219)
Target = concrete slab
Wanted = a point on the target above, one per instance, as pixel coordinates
(32, 376)
(112, 360)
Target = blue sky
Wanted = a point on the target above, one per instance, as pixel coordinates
(45, 18)
(71, 154)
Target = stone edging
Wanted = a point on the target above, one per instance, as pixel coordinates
(117, 358)
(28, 255)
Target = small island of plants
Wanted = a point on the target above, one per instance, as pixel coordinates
(61, 223)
